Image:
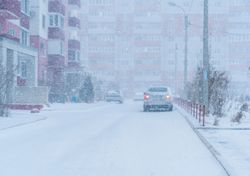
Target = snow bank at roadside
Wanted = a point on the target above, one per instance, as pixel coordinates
(19, 118)
(230, 111)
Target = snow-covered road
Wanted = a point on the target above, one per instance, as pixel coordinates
(105, 140)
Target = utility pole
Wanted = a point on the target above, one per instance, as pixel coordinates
(175, 69)
(186, 52)
(205, 57)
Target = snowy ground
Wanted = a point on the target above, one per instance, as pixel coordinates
(233, 147)
(19, 118)
(105, 140)
(230, 140)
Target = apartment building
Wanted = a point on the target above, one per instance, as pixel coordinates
(39, 37)
(57, 49)
(74, 72)
(239, 44)
(16, 55)
(124, 43)
(135, 44)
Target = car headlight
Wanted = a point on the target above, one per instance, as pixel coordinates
(168, 97)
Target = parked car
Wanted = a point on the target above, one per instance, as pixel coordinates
(114, 96)
(158, 98)
(139, 96)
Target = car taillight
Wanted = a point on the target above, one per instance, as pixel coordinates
(146, 97)
(168, 97)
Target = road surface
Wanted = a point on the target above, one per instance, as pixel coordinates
(105, 140)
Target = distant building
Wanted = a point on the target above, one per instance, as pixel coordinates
(135, 44)
(124, 44)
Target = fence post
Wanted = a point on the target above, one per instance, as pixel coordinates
(194, 111)
(204, 114)
(200, 111)
(197, 108)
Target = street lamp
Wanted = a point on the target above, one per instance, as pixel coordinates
(186, 23)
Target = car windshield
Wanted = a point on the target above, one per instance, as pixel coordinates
(158, 89)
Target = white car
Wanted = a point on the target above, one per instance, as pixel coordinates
(158, 98)
(139, 96)
(114, 96)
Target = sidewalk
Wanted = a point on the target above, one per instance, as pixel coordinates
(19, 118)
(230, 142)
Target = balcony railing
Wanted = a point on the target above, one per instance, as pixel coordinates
(57, 7)
(75, 2)
(74, 44)
(74, 22)
(56, 33)
(11, 8)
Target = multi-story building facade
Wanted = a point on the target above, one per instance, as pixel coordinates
(124, 43)
(57, 49)
(74, 73)
(98, 36)
(239, 44)
(39, 37)
(143, 41)
(16, 55)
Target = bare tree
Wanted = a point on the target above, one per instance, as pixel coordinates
(217, 90)
(6, 83)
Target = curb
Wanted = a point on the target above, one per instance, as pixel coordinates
(23, 124)
(214, 128)
(212, 150)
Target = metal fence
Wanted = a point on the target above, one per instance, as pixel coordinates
(195, 109)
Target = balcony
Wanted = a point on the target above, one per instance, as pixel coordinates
(25, 21)
(56, 61)
(10, 9)
(74, 44)
(56, 6)
(75, 2)
(9, 30)
(56, 33)
(74, 22)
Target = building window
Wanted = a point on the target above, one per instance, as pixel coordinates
(24, 6)
(42, 49)
(11, 32)
(23, 69)
(51, 20)
(56, 20)
(24, 39)
(44, 21)
(74, 55)
(61, 48)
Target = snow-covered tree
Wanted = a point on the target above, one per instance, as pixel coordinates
(86, 93)
(218, 90)
(6, 79)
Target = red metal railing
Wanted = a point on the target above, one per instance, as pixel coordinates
(195, 109)
(23, 107)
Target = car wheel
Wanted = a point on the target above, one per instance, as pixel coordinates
(171, 109)
(145, 109)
